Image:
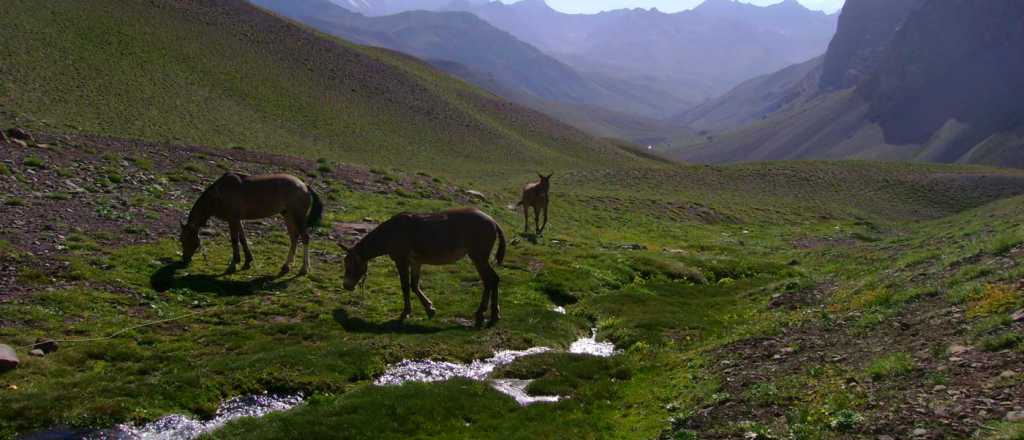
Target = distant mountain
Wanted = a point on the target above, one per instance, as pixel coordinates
(388, 7)
(699, 53)
(935, 80)
(466, 46)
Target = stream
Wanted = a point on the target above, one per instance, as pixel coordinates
(179, 427)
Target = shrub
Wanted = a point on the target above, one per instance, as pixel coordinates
(995, 298)
(34, 162)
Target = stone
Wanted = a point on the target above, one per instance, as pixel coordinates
(1018, 316)
(958, 349)
(885, 437)
(633, 247)
(8, 359)
(1015, 416)
(12, 387)
(47, 345)
(37, 352)
(920, 432)
(21, 134)
(1008, 374)
(476, 195)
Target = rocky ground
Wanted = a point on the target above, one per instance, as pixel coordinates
(122, 192)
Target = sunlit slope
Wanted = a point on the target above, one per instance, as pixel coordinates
(227, 74)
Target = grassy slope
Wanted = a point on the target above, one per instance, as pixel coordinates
(226, 74)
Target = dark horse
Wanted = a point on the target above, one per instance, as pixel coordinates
(236, 197)
(412, 240)
(535, 195)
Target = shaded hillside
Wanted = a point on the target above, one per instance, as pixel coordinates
(755, 99)
(946, 86)
(228, 74)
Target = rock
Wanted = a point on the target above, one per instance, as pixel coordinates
(885, 437)
(1015, 416)
(476, 195)
(1008, 374)
(1018, 316)
(12, 387)
(939, 388)
(21, 134)
(633, 247)
(920, 432)
(8, 359)
(3, 136)
(958, 349)
(37, 353)
(47, 345)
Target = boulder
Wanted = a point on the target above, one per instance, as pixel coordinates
(8, 359)
(1015, 416)
(37, 353)
(1018, 316)
(21, 134)
(47, 345)
(476, 195)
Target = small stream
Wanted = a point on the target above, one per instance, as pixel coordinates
(178, 427)
(481, 369)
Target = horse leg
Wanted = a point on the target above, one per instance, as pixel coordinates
(536, 219)
(293, 234)
(245, 246)
(427, 305)
(526, 218)
(403, 274)
(300, 225)
(483, 268)
(235, 226)
(545, 218)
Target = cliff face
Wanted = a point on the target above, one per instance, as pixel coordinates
(953, 61)
(865, 30)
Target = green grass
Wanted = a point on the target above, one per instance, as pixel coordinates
(891, 366)
(154, 70)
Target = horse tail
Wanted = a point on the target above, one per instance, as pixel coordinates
(500, 256)
(316, 213)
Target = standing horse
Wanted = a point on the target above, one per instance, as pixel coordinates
(535, 195)
(236, 197)
(412, 240)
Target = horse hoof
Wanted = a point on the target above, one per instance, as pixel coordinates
(284, 271)
(431, 313)
(247, 266)
(492, 323)
(230, 270)
(303, 272)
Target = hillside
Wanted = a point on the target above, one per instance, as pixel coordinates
(228, 74)
(942, 85)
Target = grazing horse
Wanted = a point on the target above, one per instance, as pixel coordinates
(535, 195)
(412, 240)
(236, 197)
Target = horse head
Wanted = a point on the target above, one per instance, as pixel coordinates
(189, 238)
(355, 268)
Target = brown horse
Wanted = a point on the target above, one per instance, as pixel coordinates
(412, 240)
(535, 195)
(236, 197)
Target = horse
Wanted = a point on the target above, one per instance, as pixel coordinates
(235, 197)
(435, 239)
(535, 195)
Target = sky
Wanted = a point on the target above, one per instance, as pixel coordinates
(592, 6)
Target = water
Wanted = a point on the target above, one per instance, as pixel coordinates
(178, 427)
(481, 369)
(592, 347)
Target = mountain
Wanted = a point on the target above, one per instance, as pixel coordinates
(519, 70)
(944, 82)
(225, 73)
(388, 7)
(699, 53)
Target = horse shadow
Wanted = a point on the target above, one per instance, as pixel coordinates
(353, 324)
(166, 278)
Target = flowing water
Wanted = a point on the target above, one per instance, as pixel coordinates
(178, 427)
(481, 369)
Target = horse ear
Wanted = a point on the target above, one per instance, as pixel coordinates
(549, 175)
(540, 175)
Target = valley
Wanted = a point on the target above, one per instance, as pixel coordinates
(767, 299)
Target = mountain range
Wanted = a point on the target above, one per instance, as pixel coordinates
(923, 80)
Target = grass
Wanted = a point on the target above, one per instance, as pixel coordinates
(891, 366)
(241, 78)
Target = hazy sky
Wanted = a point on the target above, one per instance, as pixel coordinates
(590, 6)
